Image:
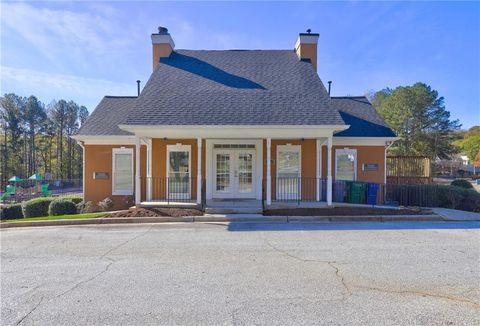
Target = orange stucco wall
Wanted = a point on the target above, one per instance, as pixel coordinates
(98, 158)
(365, 154)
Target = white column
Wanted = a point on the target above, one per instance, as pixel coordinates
(138, 197)
(199, 170)
(149, 168)
(269, 171)
(318, 167)
(329, 171)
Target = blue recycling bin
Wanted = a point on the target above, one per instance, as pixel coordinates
(372, 190)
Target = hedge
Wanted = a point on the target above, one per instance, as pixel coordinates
(462, 183)
(36, 207)
(74, 198)
(62, 206)
(11, 212)
(434, 196)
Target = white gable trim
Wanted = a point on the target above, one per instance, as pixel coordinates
(105, 140)
(233, 131)
(362, 141)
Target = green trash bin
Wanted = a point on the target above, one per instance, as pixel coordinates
(357, 192)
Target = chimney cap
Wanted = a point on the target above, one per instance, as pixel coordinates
(162, 30)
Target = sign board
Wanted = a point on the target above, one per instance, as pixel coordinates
(100, 175)
(369, 167)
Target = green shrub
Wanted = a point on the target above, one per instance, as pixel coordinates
(106, 205)
(435, 196)
(462, 183)
(74, 198)
(85, 207)
(36, 207)
(471, 201)
(11, 212)
(62, 207)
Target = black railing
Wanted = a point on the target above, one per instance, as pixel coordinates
(204, 195)
(295, 189)
(170, 189)
(300, 189)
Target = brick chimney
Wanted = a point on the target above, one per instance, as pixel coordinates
(306, 47)
(162, 45)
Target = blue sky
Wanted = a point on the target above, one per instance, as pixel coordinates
(84, 50)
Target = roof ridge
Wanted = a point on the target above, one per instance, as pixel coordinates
(120, 96)
(357, 96)
(225, 50)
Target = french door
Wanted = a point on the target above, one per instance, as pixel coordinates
(234, 173)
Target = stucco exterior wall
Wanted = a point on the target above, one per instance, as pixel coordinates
(98, 158)
(365, 154)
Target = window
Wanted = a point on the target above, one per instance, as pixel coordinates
(122, 171)
(178, 171)
(346, 164)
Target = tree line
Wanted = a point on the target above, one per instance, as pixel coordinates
(35, 138)
(420, 119)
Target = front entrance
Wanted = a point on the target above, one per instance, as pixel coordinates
(234, 171)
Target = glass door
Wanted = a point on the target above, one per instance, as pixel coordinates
(178, 174)
(244, 186)
(234, 173)
(223, 161)
(288, 172)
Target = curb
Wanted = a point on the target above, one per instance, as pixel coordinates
(235, 219)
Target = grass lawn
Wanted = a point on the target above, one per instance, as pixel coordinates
(59, 217)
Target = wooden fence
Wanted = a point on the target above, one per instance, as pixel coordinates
(409, 170)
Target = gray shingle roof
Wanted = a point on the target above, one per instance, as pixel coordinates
(362, 117)
(109, 113)
(254, 87)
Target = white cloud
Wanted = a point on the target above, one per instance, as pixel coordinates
(47, 86)
(61, 33)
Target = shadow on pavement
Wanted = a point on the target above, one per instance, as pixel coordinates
(354, 226)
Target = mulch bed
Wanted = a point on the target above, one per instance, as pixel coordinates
(344, 211)
(157, 212)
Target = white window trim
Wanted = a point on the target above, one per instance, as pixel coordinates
(180, 148)
(347, 151)
(116, 151)
(297, 148)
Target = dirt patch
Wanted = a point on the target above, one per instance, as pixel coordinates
(157, 212)
(344, 211)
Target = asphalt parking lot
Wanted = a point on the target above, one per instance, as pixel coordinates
(242, 274)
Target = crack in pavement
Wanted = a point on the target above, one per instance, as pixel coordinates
(421, 293)
(77, 285)
(85, 281)
(348, 287)
(125, 242)
(31, 310)
(105, 255)
(346, 293)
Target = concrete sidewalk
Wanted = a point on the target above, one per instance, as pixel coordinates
(456, 215)
(228, 218)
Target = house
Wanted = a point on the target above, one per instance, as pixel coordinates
(233, 124)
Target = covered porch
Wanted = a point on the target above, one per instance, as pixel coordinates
(277, 165)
